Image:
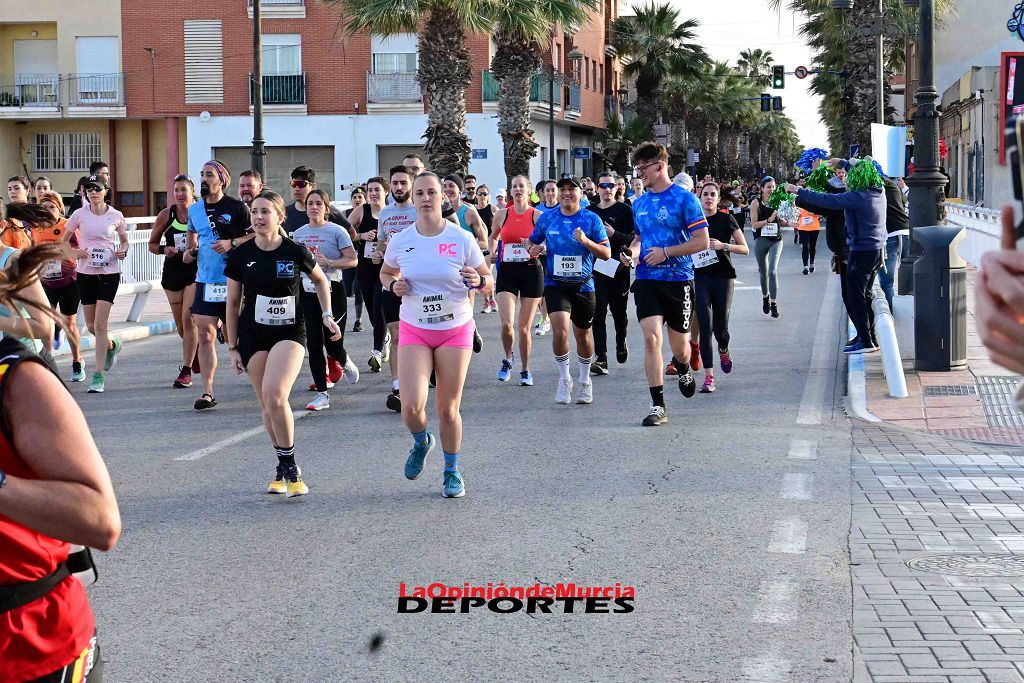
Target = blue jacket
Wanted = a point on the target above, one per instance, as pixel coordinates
(864, 211)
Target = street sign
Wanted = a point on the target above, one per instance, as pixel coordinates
(854, 150)
(580, 152)
(479, 153)
(661, 139)
(660, 129)
(801, 72)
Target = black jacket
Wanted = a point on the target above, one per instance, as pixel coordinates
(835, 224)
(896, 217)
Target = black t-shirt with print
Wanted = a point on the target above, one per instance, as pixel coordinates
(620, 216)
(275, 274)
(229, 218)
(720, 227)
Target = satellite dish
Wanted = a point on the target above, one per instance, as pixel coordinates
(205, 116)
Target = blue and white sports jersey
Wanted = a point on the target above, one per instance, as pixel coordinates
(227, 219)
(567, 259)
(665, 219)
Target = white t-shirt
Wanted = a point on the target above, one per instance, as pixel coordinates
(439, 299)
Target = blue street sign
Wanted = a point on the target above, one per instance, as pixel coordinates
(854, 149)
(580, 152)
(479, 153)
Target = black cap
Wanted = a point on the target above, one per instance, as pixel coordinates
(98, 181)
(568, 180)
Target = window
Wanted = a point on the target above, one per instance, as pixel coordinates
(593, 80)
(97, 79)
(160, 200)
(558, 57)
(398, 54)
(65, 151)
(586, 72)
(282, 54)
(129, 200)
(204, 61)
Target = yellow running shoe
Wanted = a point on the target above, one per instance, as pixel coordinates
(295, 485)
(278, 485)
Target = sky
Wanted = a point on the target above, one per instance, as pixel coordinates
(756, 25)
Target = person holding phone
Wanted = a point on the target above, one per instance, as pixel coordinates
(767, 245)
(999, 300)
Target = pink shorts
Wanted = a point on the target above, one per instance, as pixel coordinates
(460, 337)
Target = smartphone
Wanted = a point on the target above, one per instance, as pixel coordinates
(1014, 134)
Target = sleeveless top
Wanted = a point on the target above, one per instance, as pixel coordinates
(46, 634)
(462, 217)
(366, 224)
(174, 236)
(516, 228)
(764, 212)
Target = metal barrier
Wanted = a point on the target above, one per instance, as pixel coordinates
(983, 229)
(885, 330)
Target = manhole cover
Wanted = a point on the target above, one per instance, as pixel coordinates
(951, 390)
(970, 565)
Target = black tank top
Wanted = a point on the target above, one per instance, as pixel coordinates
(174, 236)
(369, 222)
(764, 212)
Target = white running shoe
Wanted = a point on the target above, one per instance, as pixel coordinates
(350, 371)
(586, 393)
(386, 353)
(375, 361)
(564, 393)
(320, 402)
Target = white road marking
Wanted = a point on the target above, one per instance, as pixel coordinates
(775, 603)
(747, 288)
(789, 536)
(819, 372)
(232, 440)
(766, 669)
(802, 449)
(797, 486)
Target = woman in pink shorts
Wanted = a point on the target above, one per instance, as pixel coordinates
(433, 265)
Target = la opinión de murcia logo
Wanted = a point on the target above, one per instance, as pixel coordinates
(560, 598)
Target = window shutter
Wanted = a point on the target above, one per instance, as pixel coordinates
(204, 62)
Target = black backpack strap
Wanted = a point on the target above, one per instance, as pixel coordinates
(20, 594)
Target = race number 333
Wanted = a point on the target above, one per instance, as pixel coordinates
(434, 308)
(275, 310)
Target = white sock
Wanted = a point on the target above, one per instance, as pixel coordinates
(394, 384)
(585, 369)
(563, 366)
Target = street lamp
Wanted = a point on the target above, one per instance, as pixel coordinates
(576, 57)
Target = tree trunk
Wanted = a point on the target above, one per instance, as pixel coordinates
(445, 73)
(513, 66)
(646, 100)
(712, 149)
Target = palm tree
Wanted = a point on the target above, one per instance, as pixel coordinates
(757, 65)
(653, 45)
(618, 139)
(445, 67)
(522, 30)
(716, 99)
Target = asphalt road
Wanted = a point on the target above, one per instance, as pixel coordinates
(731, 522)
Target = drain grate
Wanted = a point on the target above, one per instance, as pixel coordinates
(997, 398)
(952, 390)
(970, 565)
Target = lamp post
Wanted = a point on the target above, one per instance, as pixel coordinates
(925, 182)
(576, 57)
(259, 153)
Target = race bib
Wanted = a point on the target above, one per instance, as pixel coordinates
(434, 308)
(807, 220)
(514, 253)
(179, 241)
(770, 230)
(369, 249)
(703, 259)
(52, 269)
(569, 266)
(100, 257)
(307, 284)
(215, 293)
(736, 209)
(271, 310)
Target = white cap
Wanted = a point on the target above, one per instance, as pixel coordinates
(684, 181)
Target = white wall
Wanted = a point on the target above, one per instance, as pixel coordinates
(974, 37)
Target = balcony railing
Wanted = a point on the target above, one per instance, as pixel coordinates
(30, 90)
(265, 3)
(575, 97)
(103, 90)
(538, 88)
(280, 88)
(392, 88)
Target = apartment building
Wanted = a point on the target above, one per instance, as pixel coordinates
(349, 106)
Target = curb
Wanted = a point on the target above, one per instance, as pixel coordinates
(123, 334)
(856, 387)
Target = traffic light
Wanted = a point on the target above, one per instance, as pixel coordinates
(777, 103)
(778, 77)
(766, 102)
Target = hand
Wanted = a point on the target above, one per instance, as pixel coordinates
(494, 257)
(835, 264)
(121, 252)
(655, 255)
(333, 328)
(81, 253)
(321, 260)
(401, 287)
(536, 250)
(999, 300)
(188, 256)
(222, 246)
(716, 245)
(370, 236)
(791, 188)
(170, 251)
(626, 260)
(236, 362)
(579, 235)
(470, 277)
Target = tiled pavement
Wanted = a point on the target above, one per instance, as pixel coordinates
(918, 495)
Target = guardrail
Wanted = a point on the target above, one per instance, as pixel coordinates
(983, 230)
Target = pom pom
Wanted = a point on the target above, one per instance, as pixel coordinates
(788, 212)
(864, 176)
(778, 196)
(808, 158)
(818, 179)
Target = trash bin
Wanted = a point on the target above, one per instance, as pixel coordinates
(940, 300)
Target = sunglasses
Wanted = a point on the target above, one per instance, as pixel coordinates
(606, 186)
(299, 183)
(184, 176)
(94, 188)
(483, 194)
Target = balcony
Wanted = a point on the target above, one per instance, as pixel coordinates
(30, 90)
(395, 91)
(95, 90)
(281, 89)
(574, 103)
(538, 88)
(280, 9)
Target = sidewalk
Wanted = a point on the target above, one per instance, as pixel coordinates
(156, 319)
(975, 403)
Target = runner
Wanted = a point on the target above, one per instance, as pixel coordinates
(303, 182)
(17, 189)
(808, 226)
(520, 276)
(548, 190)
(364, 219)
(60, 281)
(670, 227)
(767, 245)
(40, 187)
(432, 266)
(715, 281)
(264, 327)
(216, 224)
(469, 220)
(637, 185)
(78, 200)
(332, 250)
(15, 233)
(620, 191)
(549, 196)
(99, 272)
(486, 211)
(250, 184)
(572, 238)
(179, 278)
(35, 323)
(394, 218)
(611, 292)
(348, 276)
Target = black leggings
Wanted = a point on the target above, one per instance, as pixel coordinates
(610, 294)
(809, 244)
(714, 300)
(348, 276)
(368, 277)
(316, 339)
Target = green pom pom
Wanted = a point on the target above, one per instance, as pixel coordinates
(778, 196)
(864, 176)
(819, 177)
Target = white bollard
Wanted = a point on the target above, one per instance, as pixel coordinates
(885, 330)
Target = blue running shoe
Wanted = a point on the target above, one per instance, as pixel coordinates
(525, 379)
(418, 453)
(56, 337)
(454, 487)
(506, 370)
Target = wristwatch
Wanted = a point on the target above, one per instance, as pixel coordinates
(483, 282)
(232, 242)
(327, 314)
(3, 478)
